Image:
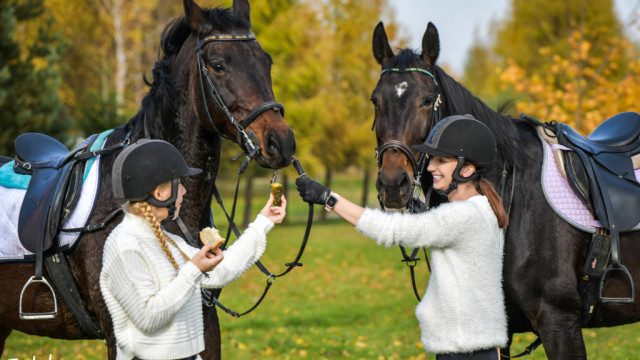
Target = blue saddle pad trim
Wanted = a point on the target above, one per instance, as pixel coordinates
(10, 179)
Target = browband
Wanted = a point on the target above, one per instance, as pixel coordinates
(411, 69)
(225, 37)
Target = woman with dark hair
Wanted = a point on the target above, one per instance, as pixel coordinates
(462, 314)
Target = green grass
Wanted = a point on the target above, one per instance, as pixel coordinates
(352, 299)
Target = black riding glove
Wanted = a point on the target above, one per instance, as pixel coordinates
(312, 191)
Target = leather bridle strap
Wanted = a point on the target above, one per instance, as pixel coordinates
(250, 147)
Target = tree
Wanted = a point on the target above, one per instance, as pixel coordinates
(30, 74)
(534, 35)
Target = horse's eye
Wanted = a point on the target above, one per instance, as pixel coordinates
(374, 101)
(428, 101)
(218, 68)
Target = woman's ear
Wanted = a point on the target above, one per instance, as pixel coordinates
(468, 170)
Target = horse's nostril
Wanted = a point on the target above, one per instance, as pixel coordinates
(404, 180)
(273, 144)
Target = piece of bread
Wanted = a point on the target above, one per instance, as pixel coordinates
(212, 237)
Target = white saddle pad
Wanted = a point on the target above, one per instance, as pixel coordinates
(11, 200)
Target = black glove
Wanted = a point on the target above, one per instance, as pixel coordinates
(312, 191)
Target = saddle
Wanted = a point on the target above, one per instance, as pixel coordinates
(53, 192)
(600, 170)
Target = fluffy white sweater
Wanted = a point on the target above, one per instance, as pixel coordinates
(463, 307)
(157, 314)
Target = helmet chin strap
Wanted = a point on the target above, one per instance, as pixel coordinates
(170, 203)
(457, 178)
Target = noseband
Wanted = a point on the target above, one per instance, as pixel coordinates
(247, 142)
(419, 164)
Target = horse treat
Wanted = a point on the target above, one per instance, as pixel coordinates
(276, 190)
(212, 237)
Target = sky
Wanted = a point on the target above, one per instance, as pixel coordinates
(460, 22)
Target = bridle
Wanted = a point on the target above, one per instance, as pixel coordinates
(248, 142)
(418, 165)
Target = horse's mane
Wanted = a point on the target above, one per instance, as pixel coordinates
(458, 100)
(161, 100)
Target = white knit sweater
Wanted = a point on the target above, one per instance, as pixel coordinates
(156, 313)
(463, 308)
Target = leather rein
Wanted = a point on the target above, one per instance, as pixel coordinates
(248, 142)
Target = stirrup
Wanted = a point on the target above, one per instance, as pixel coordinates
(42, 315)
(613, 300)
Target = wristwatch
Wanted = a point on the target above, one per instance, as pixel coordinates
(331, 201)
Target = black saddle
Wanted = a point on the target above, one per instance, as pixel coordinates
(600, 171)
(53, 191)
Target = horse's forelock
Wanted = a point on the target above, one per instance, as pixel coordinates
(177, 31)
(406, 58)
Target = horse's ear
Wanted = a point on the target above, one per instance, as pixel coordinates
(241, 9)
(381, 49)
(194, 14)
(431, 44)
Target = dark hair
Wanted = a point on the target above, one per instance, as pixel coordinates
(484, 187)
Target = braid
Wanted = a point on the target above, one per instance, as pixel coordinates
(144, 209)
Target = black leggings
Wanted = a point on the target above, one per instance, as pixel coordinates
(491, 354)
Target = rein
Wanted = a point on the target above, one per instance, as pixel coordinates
(248, 142)
(208, 297)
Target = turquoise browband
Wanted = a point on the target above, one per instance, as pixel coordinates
(411, 69)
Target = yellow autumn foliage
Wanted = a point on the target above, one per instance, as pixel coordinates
(579, 88)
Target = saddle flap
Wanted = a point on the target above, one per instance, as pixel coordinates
(41, 209)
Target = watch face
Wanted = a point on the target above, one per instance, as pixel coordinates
(332, 200)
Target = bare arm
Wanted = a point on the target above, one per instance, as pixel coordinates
(348, 210)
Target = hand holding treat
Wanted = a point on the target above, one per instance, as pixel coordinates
(212, 237)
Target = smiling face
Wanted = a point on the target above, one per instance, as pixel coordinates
(441, 168)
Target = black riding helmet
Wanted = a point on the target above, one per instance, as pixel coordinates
(465, 138)
(142, 166)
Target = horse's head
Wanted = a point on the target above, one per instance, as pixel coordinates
(231, 74)
(405, 101)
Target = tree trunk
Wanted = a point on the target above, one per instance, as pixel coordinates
(121, 57)
(365, 186)
(248, 197)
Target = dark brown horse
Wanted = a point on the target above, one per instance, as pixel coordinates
(544, 255)
(192, 108)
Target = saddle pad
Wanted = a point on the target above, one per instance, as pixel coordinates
(11, 200)
(562, 198)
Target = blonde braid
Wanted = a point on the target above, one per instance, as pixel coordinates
(144, 209)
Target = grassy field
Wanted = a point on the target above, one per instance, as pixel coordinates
(350, 300)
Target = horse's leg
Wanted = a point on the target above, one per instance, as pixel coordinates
(4, 334)
(212, 349)
(561, 333)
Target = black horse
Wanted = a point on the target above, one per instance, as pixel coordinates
(211, 72)
(544, 255)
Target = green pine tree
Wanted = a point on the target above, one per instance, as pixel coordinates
(29, 74)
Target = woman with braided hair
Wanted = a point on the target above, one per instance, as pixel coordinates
(462, 314)
(151, 279)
